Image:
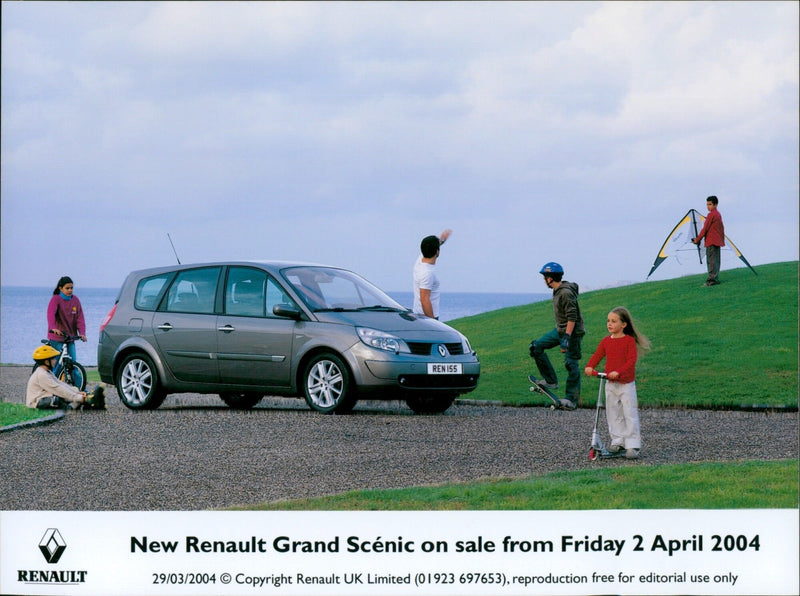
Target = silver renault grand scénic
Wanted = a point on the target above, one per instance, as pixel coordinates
(248, 329)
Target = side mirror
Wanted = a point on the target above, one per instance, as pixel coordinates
(287, 311)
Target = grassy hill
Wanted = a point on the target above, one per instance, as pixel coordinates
(731, 345)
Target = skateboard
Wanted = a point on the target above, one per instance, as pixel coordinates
(558, 404)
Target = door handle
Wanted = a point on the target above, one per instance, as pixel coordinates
(226, 328)
(165, 326)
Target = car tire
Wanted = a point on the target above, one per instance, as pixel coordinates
(241, 401)
(138, 384)
(326, 385)
(430, 403)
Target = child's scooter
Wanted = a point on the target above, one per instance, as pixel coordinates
(598, 449)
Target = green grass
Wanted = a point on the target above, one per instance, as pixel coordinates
(736, 485)
(16, 413)
(725, 346)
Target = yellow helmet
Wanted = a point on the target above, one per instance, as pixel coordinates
(45, 353)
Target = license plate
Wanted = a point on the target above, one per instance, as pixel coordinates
(452, 368)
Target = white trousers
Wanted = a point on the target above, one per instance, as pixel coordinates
(622, 413)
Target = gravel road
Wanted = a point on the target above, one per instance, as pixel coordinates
(194, 453)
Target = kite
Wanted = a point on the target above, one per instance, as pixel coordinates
(681, 235)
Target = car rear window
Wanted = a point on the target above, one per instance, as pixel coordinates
(149, 290)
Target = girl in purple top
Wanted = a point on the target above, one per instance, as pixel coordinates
(65, 316)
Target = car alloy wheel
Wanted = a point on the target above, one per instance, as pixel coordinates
(137, 383)
(327, 385)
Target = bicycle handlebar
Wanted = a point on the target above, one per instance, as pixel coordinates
(65, 339)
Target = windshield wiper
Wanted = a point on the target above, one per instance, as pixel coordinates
(373, 308)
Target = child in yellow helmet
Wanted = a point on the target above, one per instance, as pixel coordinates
(46, 391)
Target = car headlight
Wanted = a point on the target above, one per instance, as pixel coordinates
(465, 344)
(382, 340)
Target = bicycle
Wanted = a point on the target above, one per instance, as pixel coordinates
(66, 369)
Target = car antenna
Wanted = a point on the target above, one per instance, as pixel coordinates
(173, 248)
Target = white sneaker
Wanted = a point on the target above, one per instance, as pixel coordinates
(632, 454)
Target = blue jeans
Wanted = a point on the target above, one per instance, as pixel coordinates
(59, 345)
(571, 362)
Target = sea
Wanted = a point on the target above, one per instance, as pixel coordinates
(23, 315)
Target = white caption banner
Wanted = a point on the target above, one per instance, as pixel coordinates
(374, 553)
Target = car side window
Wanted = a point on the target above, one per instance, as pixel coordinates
(193, 291)
(244, 292)
(148, 292)
(252, 293)
(275, 296)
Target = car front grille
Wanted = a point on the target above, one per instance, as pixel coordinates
(419, 348)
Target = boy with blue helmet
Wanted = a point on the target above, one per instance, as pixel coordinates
(568, 333)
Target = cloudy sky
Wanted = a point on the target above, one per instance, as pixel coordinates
(345, 132)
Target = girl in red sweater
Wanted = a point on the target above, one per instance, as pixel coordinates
(621, 349)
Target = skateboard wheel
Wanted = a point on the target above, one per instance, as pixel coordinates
(552, 407)
(592, 454)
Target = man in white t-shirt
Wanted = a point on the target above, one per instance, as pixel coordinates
(426, 284)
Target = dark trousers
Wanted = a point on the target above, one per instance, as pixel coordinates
(52, 403)
(571, 362)
(713, 261)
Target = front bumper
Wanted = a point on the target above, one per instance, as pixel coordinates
(413, 376)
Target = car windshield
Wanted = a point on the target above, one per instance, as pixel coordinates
(325, 288)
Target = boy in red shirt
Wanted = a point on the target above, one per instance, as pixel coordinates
(714, 233)
(621, 349)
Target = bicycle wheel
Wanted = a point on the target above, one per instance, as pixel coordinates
(74, 374)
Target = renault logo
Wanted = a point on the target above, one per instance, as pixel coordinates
(52, 545)
(442, 351)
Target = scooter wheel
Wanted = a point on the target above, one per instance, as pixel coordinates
(592, 454)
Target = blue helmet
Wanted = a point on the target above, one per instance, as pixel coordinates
(551, 267)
